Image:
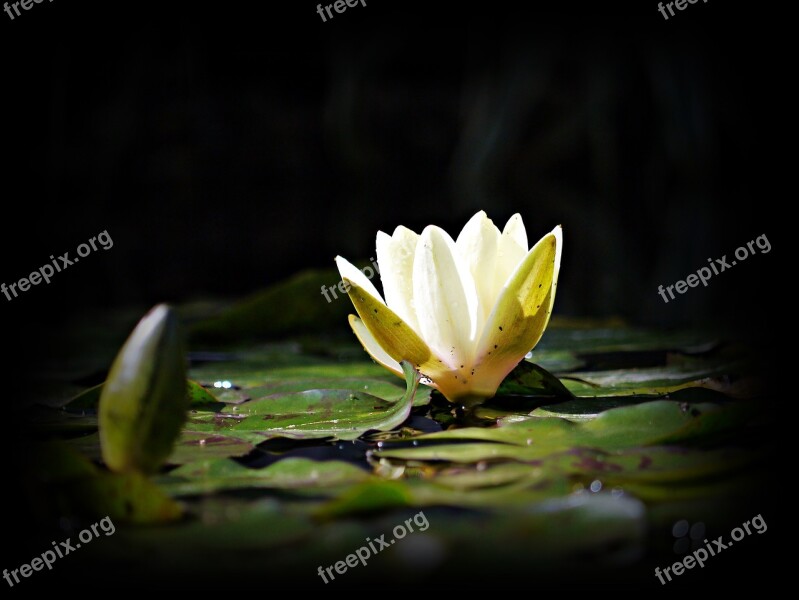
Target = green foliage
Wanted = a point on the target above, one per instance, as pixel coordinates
(299, 449)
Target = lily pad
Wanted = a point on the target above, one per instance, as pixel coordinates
(656, 381)
(338, 414)
(651, 423)
(288, 474)
(74, 486)
(198, 398)
(388, 389)
(191, 446)
(529, 379)
(525, 483)
(587, 338)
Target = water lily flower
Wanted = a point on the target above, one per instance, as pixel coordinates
(464, 312)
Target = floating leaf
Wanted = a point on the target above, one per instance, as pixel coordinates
(87, 399)
(388, 389)
(191, 446)
(655, 381)
(529, 379)
(125, 497)
(197, 396)
(555, 361)
(651, 423)
(287, 474)
(557, 483)
(339, 414)
(74, 486)
(200, 398)
(607, 338)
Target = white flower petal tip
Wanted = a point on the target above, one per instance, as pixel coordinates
(464, 313)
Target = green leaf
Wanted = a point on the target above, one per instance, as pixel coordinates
(658, 465)
(368, 498)
(388, 389)
(191, 446)
(655, 381)
(125, 497)
(288, 474)
(529, 379)
(71, 485)
(589, 338)
(194, 445)
(289, 307)
(87, 399)
(198, 398)
(556, 361)
(340, 414)
(506, 498)
(235, 536)
(143, 403)
(651, 423)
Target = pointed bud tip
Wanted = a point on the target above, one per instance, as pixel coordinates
(143, 402)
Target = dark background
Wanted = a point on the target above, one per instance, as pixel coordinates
(225, 147)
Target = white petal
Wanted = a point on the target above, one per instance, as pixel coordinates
(477, 244)
(445, 298)
(511, 252)
(558, 233)
(374, 349)
(395, 257)
(349, 271)
(515, 230)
